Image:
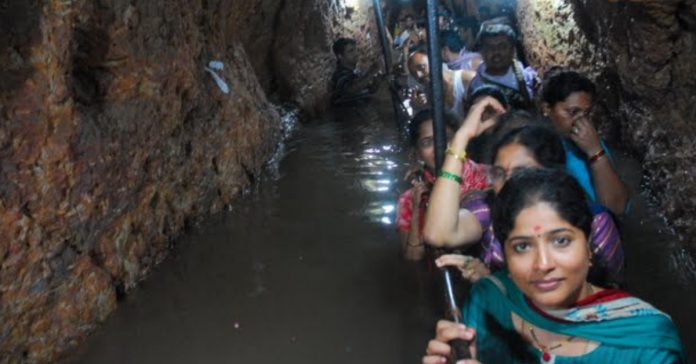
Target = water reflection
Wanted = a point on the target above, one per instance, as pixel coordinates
(378, 176)
(374, 161)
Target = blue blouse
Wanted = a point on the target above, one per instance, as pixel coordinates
(577, 166)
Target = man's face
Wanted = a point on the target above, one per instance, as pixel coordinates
(498, 53)
(419, 67)
(349, 58)
(448, 55)
(441, 22)
(408, 22)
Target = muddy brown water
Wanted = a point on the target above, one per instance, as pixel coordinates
(306, 269)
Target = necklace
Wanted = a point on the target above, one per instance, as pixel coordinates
(546, 355)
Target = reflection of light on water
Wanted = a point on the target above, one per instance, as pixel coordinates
(375, 177)
(376, 185)
(381, 212)
(373, 186)
(380, 208)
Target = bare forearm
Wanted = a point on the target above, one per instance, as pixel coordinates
(445, 223)
(442, 217)
(412, 245)
(414, 236)
(610, 190)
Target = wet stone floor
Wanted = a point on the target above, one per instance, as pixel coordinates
(307, 268)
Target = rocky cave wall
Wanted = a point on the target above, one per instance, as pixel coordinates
(289, 44)
(642, 55)
(113, 138)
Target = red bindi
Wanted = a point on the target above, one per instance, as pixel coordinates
(537, 228)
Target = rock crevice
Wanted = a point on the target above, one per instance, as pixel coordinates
(642, 55)
(114, 138)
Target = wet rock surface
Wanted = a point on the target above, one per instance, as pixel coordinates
(306, 269)
(114, 138)
(642, 54)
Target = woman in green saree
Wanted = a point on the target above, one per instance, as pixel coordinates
(542, 309)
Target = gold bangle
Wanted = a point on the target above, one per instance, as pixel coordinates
(459, 156)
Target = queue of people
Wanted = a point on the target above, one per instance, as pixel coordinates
(527, 196)
(548, 273)
(529, 192)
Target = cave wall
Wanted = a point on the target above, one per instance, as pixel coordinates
(113, 138)
(302, 51)
(642, 55)
(289, 43)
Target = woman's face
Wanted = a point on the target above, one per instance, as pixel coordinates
(425, 146)
(564, 113)
(548, 258)
(507, 159)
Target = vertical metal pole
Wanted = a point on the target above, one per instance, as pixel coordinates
(382, 36)
(436, 92)
(386, 53)
(460, 347)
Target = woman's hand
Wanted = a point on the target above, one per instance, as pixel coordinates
(439, 350)
(474, 124)
(472, 268)
(419, 187)
(584, 134)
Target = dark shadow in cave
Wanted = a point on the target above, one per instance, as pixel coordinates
(19, 31)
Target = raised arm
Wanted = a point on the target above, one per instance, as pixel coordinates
(445, 223)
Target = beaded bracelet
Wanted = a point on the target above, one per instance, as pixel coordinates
(450, 176)
(459, 156)
(596, 156)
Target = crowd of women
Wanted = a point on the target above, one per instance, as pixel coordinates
(527, 197)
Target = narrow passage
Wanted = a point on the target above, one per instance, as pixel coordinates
(307, 268)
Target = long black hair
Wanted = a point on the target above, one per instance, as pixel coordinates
(488, 90)
(544, 144)
(427, 115)
(560, 83)
(530, 186)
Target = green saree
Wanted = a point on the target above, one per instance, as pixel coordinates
(629, 330)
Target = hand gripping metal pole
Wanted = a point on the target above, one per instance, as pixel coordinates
(460, 347)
